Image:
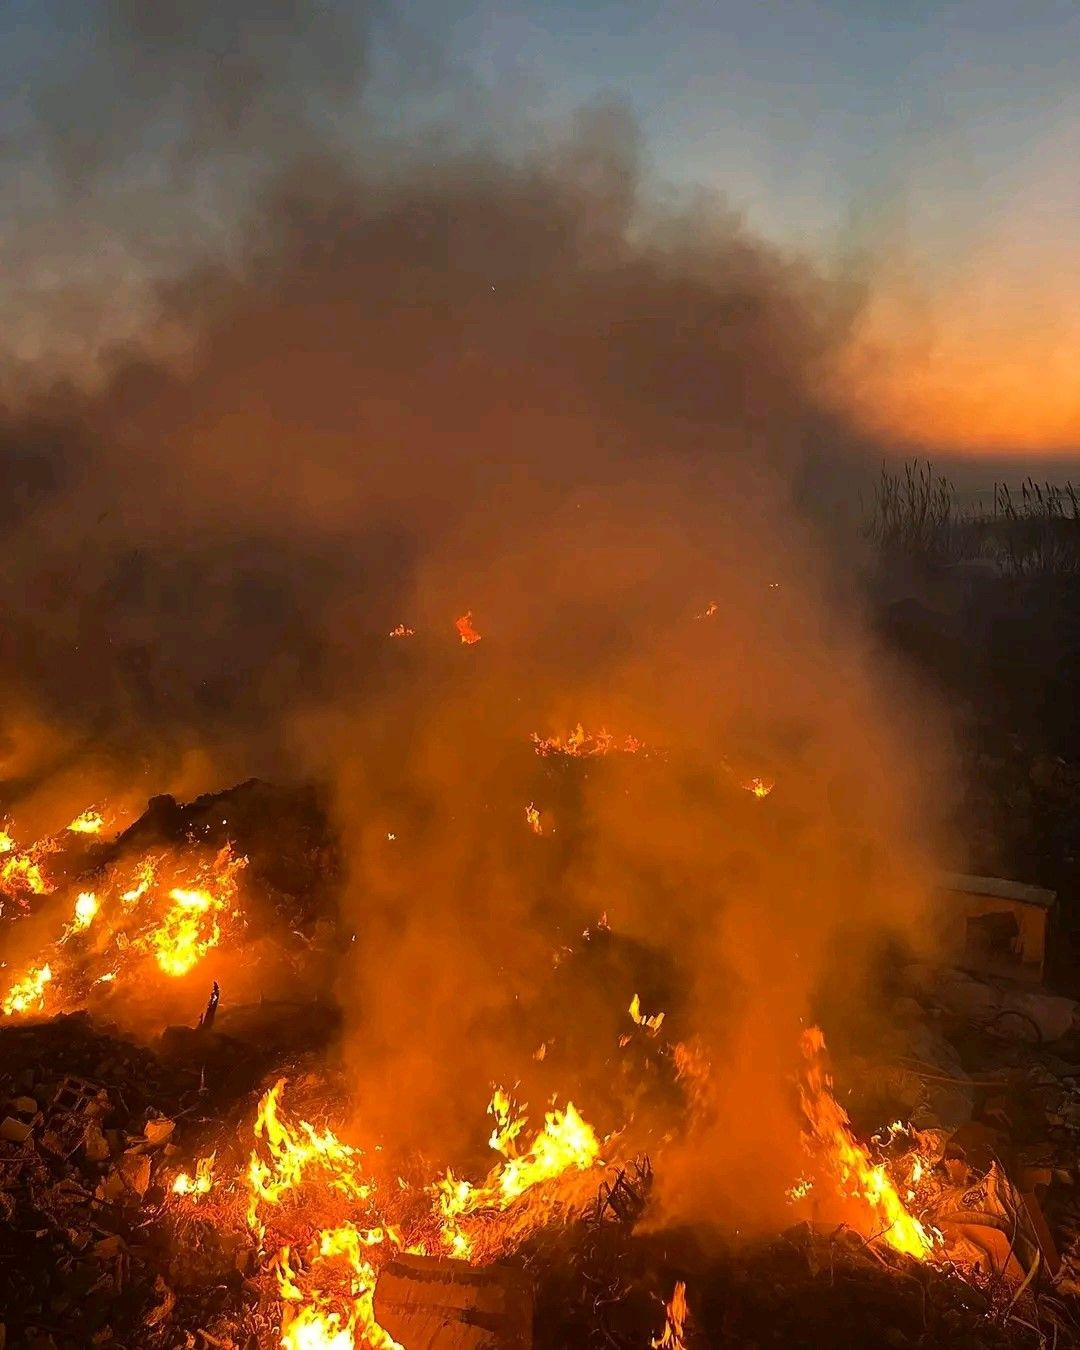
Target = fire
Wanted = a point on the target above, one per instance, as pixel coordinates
(192, 924)
(86, 906)
(760, 787)
(200, 1183)
(28, 994)
(329, 1305)
(579, 744)
(466, 631)
(653, 1023)
(90, 822)
(22, 871)
(566, 1143)
(7, 844)
(294, 1153)
(337, 1305)
(677, 1311)
(857, 1178)
(403, 631)
(710, 609)
(146, 877)
(532, 816)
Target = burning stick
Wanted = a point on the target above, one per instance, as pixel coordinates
(206, 1021)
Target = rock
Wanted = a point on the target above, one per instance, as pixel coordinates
(95, 1144)
(1052, 1014)
(127, 1182)
(159, 1131)
(14, 1131)
(966, 997)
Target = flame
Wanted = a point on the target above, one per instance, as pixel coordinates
(677, 1311)
(760, 787)
(653, 1023)
(328, 1305)
(90, 822)
(7, 844)
(532, 816)
(579, 744)
(403, 631)
(857, 1177)
(22, 871)
(192, 924)
(86, 906)
(566, 1143)
(146, 875)
(336, 1309)
(200, 1183)
(28, 994)
(710, 609)
(466, 631)
(294, 1153)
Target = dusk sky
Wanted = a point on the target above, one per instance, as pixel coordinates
(930, 146)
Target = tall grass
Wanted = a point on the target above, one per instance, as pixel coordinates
(915, 514)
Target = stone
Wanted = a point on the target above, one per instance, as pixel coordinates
(14, 1131)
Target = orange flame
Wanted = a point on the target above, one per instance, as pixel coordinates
(579, 744)
(402, 631)
(677, 1311)
(532, 816)
(858, 1178)
(466, 631)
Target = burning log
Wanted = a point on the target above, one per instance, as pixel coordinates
(433, 1304)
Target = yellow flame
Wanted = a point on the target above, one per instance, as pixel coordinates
(86, 907)
(28, 994)
(192, 924)
(200, 1183)
(90, 822)
(566, 1142)
(653, 1023)
(532, 816)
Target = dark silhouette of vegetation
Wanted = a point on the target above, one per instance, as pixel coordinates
(916, 515)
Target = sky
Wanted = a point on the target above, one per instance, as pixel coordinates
(927, 150)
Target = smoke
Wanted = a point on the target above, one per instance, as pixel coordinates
(509, 384)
